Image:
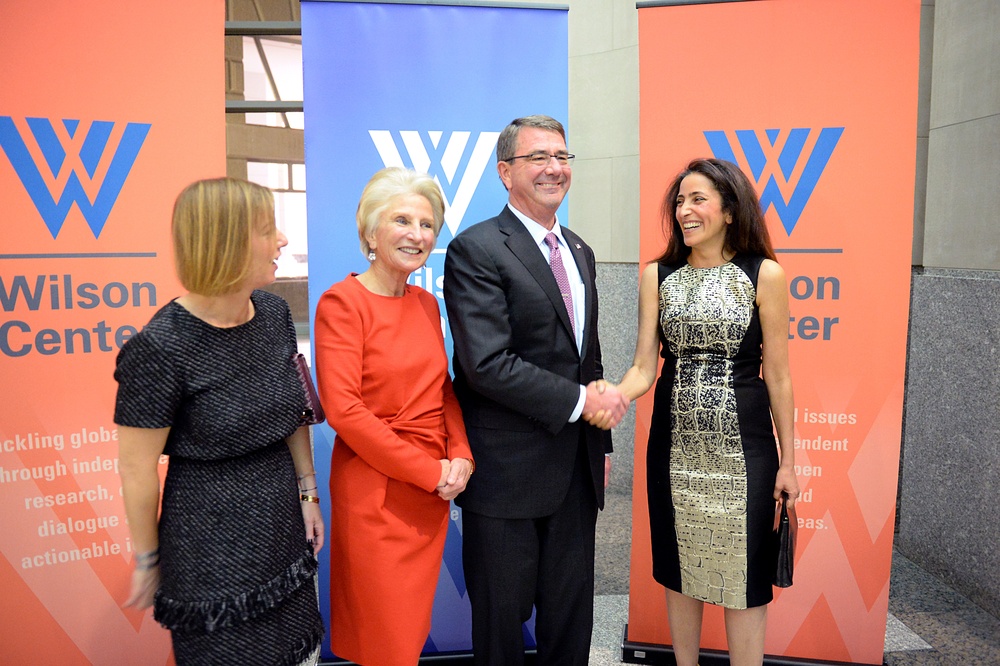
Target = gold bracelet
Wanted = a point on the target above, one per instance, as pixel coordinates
(312, 473)
(473, 463)
(309, 498)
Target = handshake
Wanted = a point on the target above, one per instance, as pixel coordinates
(605, 405)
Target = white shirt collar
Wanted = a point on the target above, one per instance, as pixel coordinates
(537, 231)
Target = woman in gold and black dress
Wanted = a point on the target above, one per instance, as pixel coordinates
(716, 304)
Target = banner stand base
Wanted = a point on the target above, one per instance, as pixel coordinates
(441, 659)
(634, 652)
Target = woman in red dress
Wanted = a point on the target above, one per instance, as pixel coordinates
(401, 452)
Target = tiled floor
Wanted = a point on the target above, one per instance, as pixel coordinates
(929, 623)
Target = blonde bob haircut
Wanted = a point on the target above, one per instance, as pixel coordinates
(383, 188)
(214, 224)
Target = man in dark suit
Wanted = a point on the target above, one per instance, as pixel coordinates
(522, 305)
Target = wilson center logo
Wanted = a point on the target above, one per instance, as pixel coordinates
(71, 147)
(788, 160)
(443, 160)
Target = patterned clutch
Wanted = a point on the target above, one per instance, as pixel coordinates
(313, 412)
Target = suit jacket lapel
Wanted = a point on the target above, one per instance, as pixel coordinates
(522, 245)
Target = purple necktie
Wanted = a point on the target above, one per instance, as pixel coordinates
(559, 273)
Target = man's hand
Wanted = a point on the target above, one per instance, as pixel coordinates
(604, 405)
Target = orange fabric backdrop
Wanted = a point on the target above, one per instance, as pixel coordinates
(747, 73)
(66, 556)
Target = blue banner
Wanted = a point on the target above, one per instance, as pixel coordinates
(426, 87)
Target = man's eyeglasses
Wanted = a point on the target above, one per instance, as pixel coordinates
(542, 159)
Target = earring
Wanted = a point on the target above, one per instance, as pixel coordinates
(371, 255)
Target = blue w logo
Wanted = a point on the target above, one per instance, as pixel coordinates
(442, 162)
(788, 159)
(54, 152)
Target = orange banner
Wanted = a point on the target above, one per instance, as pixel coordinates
(108, 111)
(816, 100)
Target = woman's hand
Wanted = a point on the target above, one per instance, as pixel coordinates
(445, 469)
(601, 419)
(786, 482)
(459, 471)
(145, 582)
(313, 519)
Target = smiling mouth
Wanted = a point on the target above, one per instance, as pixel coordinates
(687, 226)
(410, 250)
(558, 182)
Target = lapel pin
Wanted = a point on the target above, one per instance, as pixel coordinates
(578, 246)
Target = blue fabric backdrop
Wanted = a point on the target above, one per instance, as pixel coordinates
(426, 87)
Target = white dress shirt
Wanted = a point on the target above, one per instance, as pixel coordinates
(538, 234)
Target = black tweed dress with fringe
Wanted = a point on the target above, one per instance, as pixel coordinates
(237, 576)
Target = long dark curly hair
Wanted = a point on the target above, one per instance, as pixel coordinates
(747, 233)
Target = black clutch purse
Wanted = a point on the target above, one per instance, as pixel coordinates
(313, 412)
(786, 525)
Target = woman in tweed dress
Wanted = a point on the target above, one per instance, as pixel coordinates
(230, 563)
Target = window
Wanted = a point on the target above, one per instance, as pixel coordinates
(265, 142)
(288, 182)
(272, 71)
